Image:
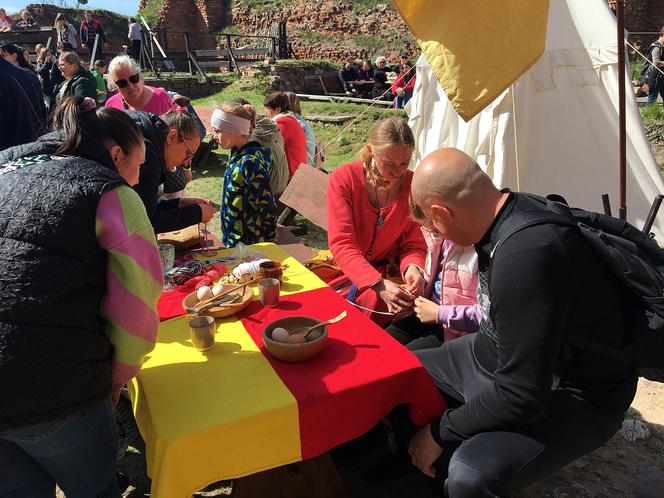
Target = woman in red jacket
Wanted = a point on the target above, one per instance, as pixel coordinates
(295, 141)
(370, 230)
(403, 87)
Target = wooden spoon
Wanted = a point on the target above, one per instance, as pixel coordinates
(305, 331)
(232, 288)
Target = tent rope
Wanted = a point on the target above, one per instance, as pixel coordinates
(343, 130)
(644, 57)
(516, 140)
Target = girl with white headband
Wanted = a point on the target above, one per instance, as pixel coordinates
(248, 212)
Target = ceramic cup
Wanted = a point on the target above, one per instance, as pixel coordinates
(271, 269)
(202, 330)
(268, 292)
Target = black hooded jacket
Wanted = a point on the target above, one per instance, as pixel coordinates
(165, 216)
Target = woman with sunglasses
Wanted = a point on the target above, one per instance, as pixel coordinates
(78, 303)
(124, 75)
(373, 239)
(170, 140)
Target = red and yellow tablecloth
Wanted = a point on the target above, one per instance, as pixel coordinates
(235, 410)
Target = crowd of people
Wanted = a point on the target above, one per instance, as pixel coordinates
(85, 190)
(366, 80)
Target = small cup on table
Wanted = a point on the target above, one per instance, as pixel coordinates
(268, 292)
(202, 330)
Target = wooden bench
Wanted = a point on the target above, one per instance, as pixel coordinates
(29, 38)
(240, 57)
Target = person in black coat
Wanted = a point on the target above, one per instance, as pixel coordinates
(347, 74)
(23, 112)
(78, 80)
(169, 141)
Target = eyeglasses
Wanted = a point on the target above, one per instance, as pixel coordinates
(190, 153)
(134, 78)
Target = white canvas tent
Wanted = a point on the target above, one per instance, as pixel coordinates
(555, 130)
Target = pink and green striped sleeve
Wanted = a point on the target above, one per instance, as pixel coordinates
(133, 280)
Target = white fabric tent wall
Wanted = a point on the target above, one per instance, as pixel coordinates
(564, 114)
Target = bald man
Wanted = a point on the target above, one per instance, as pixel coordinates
(525, 404)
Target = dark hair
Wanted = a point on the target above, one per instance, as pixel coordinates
(181, 120)
(60, 17)
(277, 100)
(67, 47)
(293, 102)
(17, 50)
(132, 20)
(85, 129)
(240, 101)
(99, 63)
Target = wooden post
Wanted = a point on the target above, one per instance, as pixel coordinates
(186, 46)
(94, 52)
(228, 52)
(622, 209)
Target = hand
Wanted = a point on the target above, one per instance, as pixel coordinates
(394, 296)
(115, 396)
(415, 282)
(426, 311)
(187, 174)
(424, 451)
(83, 45)
(399, 91)
(187, 201)
(207, 212)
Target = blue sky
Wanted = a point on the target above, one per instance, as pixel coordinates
(127, 7)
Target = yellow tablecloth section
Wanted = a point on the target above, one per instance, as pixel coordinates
(296, 277)
(194, 408)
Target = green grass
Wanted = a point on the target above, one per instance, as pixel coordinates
(341, 142)
(653, 112)
(150, 12)
(635, 69)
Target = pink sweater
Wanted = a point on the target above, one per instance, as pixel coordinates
(160, 103)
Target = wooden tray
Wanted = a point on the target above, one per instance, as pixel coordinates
(191, 300)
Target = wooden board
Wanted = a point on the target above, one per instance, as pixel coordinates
(307, 194)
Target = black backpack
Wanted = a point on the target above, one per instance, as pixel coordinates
(635, 260)
(647, 68)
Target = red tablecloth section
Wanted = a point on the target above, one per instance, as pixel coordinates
(363, 372)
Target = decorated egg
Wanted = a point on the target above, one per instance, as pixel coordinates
(280, 334)
(217, 289)
(295, 339)
(204, 293)
(213, 274)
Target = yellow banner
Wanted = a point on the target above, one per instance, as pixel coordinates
(477, 49)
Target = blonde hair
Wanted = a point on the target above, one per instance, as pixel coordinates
(71, 58)
(246, 111)
(386, 132)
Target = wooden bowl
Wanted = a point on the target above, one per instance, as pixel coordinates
(295, 352)
(191, 300)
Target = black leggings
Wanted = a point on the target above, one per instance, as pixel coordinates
(414, 334)
(498, 463)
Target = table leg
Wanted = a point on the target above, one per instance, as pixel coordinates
(314, 478)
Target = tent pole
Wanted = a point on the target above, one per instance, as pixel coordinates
(620, 15)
